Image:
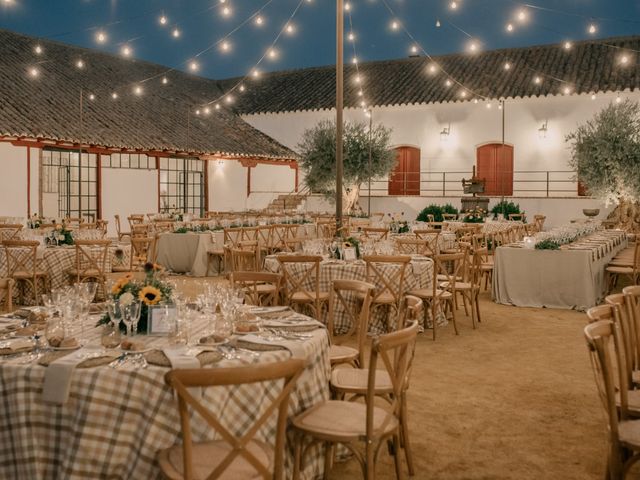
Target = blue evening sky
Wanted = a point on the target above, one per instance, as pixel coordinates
(202, 23)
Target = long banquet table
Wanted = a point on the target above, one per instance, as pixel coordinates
(570, 278)
(115, 420)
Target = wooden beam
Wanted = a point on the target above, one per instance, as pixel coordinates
(28, 182)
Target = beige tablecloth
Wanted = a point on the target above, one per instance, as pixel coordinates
(184, 252)
(573, 279)
(115, 421)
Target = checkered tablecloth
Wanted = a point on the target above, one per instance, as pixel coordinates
(419, 274)
(446, 240)
(116, 420)
(57, 261)
(490, 226)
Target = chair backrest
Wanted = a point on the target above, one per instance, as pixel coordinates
(395, 351)
(250, 282)
(118, 226)
(140, 230)
(426, 232)
(632, 306)
(412, 246)
(449, 268)
(244, 260)
(376, 233)
(623, 318)
(343, 297)
(279, 236)
(164, 226)
(232, 237)
(600, 312)
(449, 216)
(9, 231)
(387, 273)
(142, 251)
(412, 311)
(21, 256)
(300, 273)
(600, 337)
(280, 373)
(91, 258)
(326, 229)
(516, 216)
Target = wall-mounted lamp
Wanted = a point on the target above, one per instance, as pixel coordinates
(444, 134)
(542, 131)
(219, 164)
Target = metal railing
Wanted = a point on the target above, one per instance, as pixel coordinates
(538, 183)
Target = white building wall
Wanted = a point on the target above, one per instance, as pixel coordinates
(126, 191)
(13, 180)
(269, 181)
(227, 186)
(470, 125)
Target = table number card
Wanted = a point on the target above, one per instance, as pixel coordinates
(350, 254)
(160, 319)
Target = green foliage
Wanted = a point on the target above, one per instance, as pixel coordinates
(475, 215)
(505, 208)
(318, 155)
(436, 211)
(548, 245)
(605, 151)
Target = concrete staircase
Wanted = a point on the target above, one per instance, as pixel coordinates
(286, 201)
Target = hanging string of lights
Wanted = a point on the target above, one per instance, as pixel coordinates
(351, 37)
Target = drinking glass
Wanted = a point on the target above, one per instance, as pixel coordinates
(110, 337)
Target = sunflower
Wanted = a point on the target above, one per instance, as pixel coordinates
(150, 295)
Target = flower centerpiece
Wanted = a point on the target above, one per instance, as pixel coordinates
(475, 215)
(35, 221)
(150, 291)
(60, 235)
(352, 242)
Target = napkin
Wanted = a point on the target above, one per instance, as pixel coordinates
(181, 357)
(16, 344)
(295, 347)
(57, 378)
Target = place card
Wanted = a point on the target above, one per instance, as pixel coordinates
(350, 254)
(160, 319)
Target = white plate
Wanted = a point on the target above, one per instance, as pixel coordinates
(215, 344)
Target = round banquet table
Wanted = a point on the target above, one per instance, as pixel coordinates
(57, 261)
(115, 420)
(419, 274)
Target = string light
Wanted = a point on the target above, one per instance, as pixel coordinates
(354, 60)
(347, 6)
(394, 25)
(175, 33)
(163, 20)
(414, 49)
(566, 90)
(242, 88)
(197, 112)
(126, 51)
(489, 106)
(80, 64)
(259, 20)
(226, 11)
(34, 72)
(358, 79)
(193, 66)
(537, 80)
(473, 47)
(351, 37)
(507, 66)
(463, 93)
(225, 46)
(624, 59)
(38, 49)
(438, 24)
(207, 110)
(137, 90)
(229, 99)
(92, 97)
(360, 93)
(522, 15)
(592, 28)
(217, 106)
(509, 27)
(618, 99)
(453, 5)
(448, 83)
(272, 53)
(114, 96)
(567, 45)
(593, 97)
(290, 28)
(433, 68)
(101, 37)
(255, 73)
(165, 80)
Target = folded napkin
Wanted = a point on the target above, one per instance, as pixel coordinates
(295, 347)
(182, 357)
(57, 378)
(15, 345)
(292, 322)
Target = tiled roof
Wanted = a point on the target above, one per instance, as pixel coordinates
(589, 66)
(47, 106)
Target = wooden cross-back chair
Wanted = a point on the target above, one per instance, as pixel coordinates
(413, 246)
(393, 352)
(629, 270)
(249, 234)
(387, 273)
(264, 235)
(91, 262)
(279, 237)
(260, 288)
(23, 268)
(232, 237)
(623, 317)
(632, 310)
(162, 227)
(326, 229)
(449, 216)
(375, 233)
(516, 217)
(135, 219)
(245, 259)
(233, 455)
(102, 225)
(9, 231)
(343, 296)
(6, 288)
(141, 230)
(603, 342)
(121, 233)
(143, 250)
(301, 282)
(449, 269)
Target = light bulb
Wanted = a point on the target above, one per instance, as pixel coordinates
(225, 46)
(137, 90)
(347, 6)
(207, 110)
(272, 53)
(217, 106)
(226, 11)
(114, 96)
(499, 106)
(255, 73)
(537, 80)
(175, 33)
(242, 88)
(80, 64)
(568, 45)
(489, 105)
(475, 100)
(229, 99)
(566, 90)
(351, 36)
(448, 83)
(259, 20)
(618, 99)
(358, 79)
(163, 20)
(34, 72)
(126, 51)
(522, 15)
(165, 80)
(507, 66)
(394, 25)
(193, 66)
(593, 97)
(101, 37)
(354, 60)
(592, 29)
(92, 96)
(453, 5)
(473, 47)
(463, 93)
(414, 49)
(197, 112)
(290, 29)
(360, 93)
(509, 27)
(437, 23)
(38, 49)
(433, 68)
(624, 60)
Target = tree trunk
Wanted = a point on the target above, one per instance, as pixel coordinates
(626, 216)
(351, 201)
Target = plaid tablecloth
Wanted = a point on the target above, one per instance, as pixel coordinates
(446, 240)
(57, 261)
(419, 274)
(116, 420)
(490, 226)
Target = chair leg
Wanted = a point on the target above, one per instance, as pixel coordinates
(477, 305)
(434, 312)
(464, 302)
(453, 315)
(370, 461)
(397, 458)
(406, 443)
(328, 459)
(297, 457)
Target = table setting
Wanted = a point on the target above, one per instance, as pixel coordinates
(100, 408)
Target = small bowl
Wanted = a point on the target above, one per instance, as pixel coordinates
(591, 212)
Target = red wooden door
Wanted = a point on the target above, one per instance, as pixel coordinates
(494, 163)
(405, 178)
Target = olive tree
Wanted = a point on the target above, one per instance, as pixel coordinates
(317, 151)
